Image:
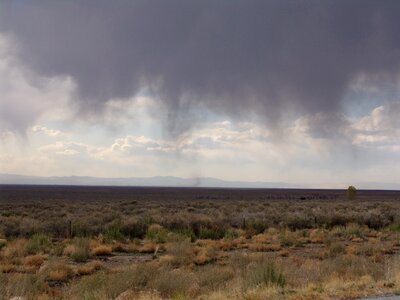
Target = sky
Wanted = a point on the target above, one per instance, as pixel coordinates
(303, 92)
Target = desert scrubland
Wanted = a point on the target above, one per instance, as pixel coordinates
(196, 243)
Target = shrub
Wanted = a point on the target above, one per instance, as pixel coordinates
(175, 284)
(113, 234)
(142, 274)
(351, 192)
(100, 285)
(3, 243)
(157, 233)
(215, 233)
(56, 228)
(81, 250)
(231, 234)
(257, 225)
(298, 221)
(22, 286)
(183, 253)
(185, 233)
(336, 249)
(82, 229)
(354, 230)
(38, 243)
(214, 277)
(135, 229)
(264, 273)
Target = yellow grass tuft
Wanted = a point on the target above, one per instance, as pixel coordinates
(147, 247)
(283, 253)
(102, 250)
(69, 250)
(7, 268)
(60, 272)
(90, 268)
(34, 260)
(15, 249)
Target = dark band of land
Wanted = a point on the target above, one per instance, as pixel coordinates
(203, 243)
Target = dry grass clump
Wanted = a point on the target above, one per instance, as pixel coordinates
(14, 249)
(147, 247)
(34, 260)
(7, 268)
(262, 238)
(204, 255)
(90, 268)
(284, 253)
(79, 251)
(336, 249)
(264, 247)
(102, 250)
(26, 286)
(58, 271)
(317, 236)
(69, 250)
(99, 285)
(212, 277)
(61, 274)
(121, 247)
(181, 254)
(175, 283)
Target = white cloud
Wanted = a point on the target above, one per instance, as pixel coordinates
(64, 148)
(379, 129)
(48, 131)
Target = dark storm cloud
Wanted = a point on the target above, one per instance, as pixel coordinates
(233, 57)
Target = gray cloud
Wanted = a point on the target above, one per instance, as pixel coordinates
(233, 57)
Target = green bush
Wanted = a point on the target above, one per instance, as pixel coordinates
(82, 229)
(231, 234)
(142, 274)
(259, 226)
(82, 251)
(186, 233)
(175, 284)
(264, 273)
(211, 233)
(299, 221)
(38, 243)
(135, 229)
(157, 234)
(113, 234)
(351, 192)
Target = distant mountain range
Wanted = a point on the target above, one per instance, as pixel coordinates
(170, 181)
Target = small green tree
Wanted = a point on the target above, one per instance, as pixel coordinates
(351, 192)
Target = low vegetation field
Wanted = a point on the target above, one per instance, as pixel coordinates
(195, 243)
